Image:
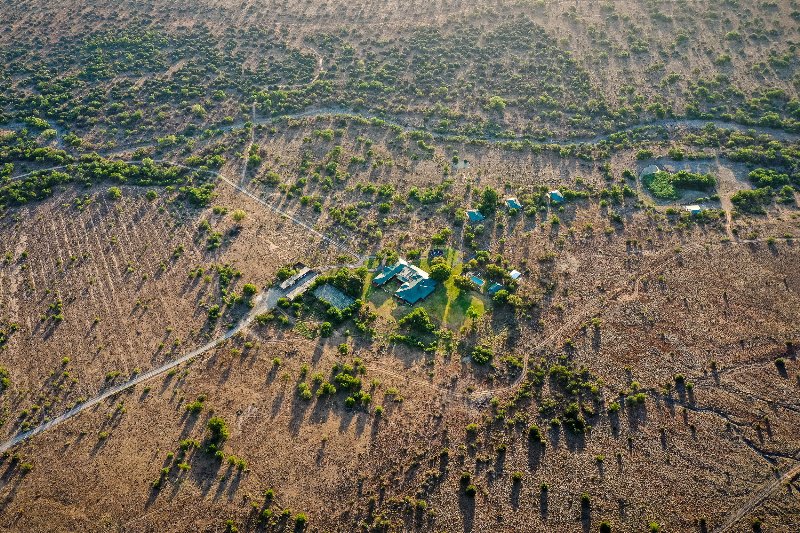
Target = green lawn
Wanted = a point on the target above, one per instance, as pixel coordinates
(445, 305)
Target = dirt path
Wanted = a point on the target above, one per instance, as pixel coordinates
(673, 124)
(260, 307)
(756, 499)
(597, 309)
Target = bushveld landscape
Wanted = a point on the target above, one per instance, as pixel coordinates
(200, 202)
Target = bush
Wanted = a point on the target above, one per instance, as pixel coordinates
(325, 329)
(114, 193)
(481, 355)
(441, 272)
(218, 429)
(419, 320)
(535, 434)
(664, 185)
(762, 177)
(304, 390)
(753, 201)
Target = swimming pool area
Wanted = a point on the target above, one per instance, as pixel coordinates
(477, 281)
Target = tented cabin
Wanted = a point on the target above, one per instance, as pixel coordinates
(475, 216)
(513, 203)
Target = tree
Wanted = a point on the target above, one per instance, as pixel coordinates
(219, 429)
(481, 355)
(489, 199)
(473, 313)
(501, 296)
(441, 272)
(496, 103)
(114, 193)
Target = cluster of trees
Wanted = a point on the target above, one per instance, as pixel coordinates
(89, 170)
(666, 185)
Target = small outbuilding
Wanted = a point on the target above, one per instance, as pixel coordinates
(474, 215)
(515, 274)
(649, 170)
(494, 288)
(555, 196)
(694, 209)
(513, 203)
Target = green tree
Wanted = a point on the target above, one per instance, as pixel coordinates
(489, 199)
(218, 429)
(441, 272)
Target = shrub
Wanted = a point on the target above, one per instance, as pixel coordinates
(325, 329)
(481, 355)
(664, 185)
(304, 390)
(218, 429)
(195, 406)
(300, 521)
(114, 193)
(762, 177)
(419, 320)
(535, 434)
(441, 272)
(752, 201)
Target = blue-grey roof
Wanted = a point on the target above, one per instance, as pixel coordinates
(494, 287)
(474, 215)
(513, 203)
(556, 196)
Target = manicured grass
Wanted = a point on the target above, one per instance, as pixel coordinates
(446, 305)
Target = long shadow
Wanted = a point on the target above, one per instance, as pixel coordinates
(544, 503)
(466, 505)
(516, 489)
(535, 455)
(586, 516)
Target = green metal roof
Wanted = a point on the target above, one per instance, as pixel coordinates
(415, 291)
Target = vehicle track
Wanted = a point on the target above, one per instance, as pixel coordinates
(756, 499)
(20, 437)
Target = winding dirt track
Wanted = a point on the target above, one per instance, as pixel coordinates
(573, 323)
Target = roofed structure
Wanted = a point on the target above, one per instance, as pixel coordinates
(288, 282)
(303, 285)
(513, 203)
(649, 170)
(555, 196)
(389, 272)
(415, 282)
(494, 288)
(474, 215)
(412, 292)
